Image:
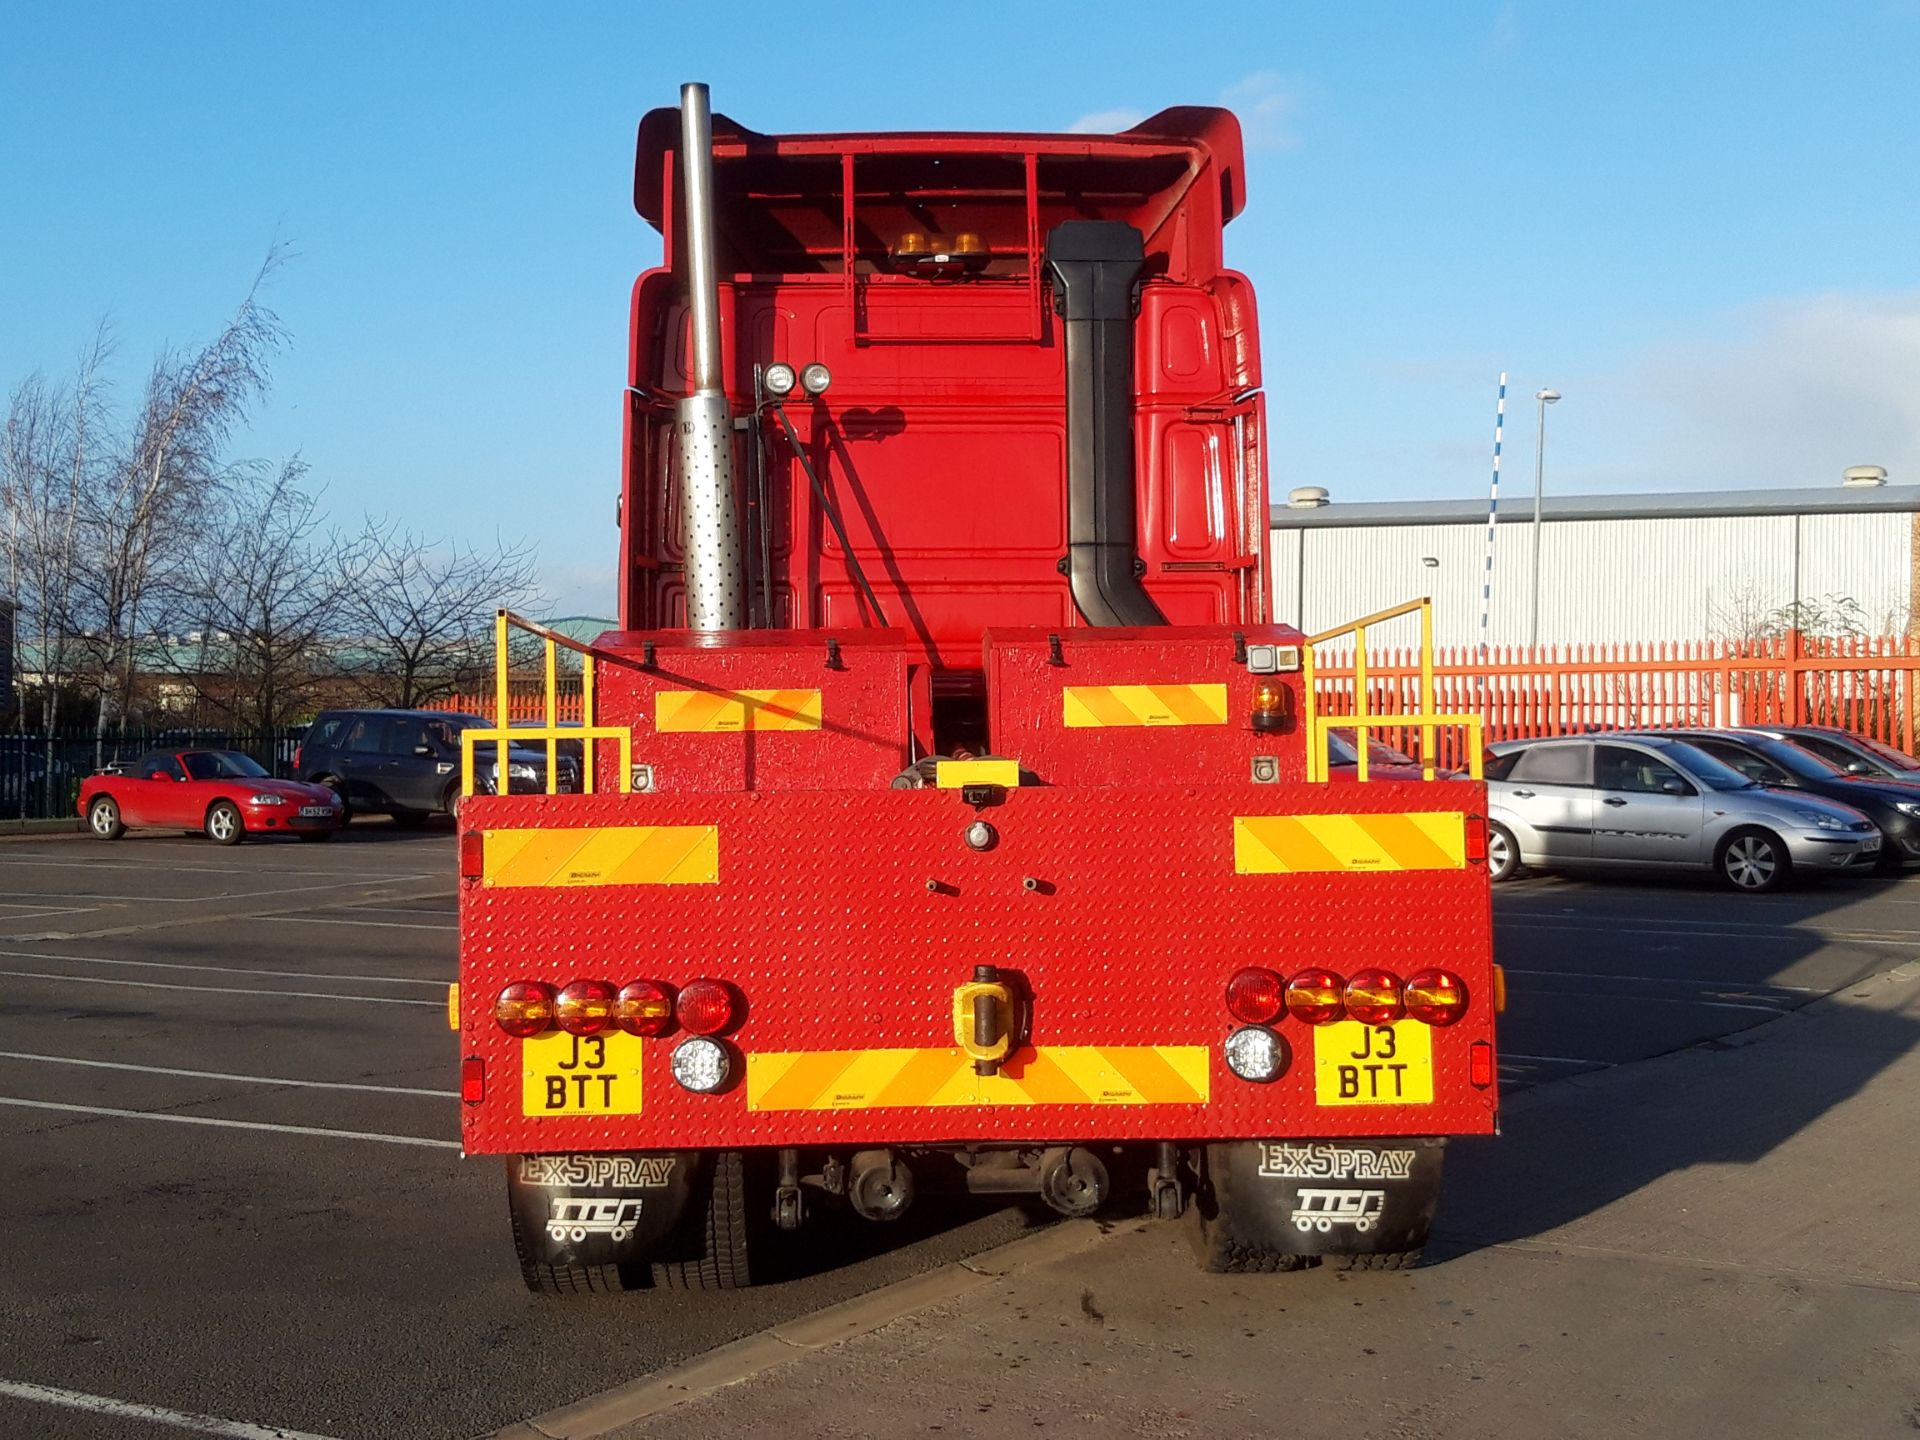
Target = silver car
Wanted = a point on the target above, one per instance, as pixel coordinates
(1639, 800)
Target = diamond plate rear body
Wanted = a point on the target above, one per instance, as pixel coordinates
(848, 918)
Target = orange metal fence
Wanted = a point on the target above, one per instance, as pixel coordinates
(1862, 683)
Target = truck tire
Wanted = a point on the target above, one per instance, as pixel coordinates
(545, 1279)
(1385, 1260)
(716, 1228)
(1217, 1247)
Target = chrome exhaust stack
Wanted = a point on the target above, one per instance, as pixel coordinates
(715, 566)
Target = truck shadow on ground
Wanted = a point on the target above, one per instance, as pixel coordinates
(1578, 1145)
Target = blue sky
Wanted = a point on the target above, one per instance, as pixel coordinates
(1698, 221)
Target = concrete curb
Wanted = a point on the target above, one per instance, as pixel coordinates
(41, 830)
(793, 1340)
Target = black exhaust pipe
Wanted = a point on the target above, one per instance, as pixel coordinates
(1095, 266)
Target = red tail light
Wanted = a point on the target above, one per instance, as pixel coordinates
(585, 1007)
(473, 1080)
(296, 759)
(524, 1008)
(1256, 996)
(1476, 837)
(1315, 996)
(705, 1007)
(473, 854)
(1482, 1062)
(1438, 997)
(1373, 997)
(644, 1008)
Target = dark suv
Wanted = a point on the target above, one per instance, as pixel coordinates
(406, 763)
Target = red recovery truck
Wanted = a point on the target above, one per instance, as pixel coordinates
(955, 816)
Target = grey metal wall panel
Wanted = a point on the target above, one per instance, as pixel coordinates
(1602, 581)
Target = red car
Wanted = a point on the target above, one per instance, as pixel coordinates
(222, 792)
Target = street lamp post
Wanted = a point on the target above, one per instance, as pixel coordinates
(1545, 398)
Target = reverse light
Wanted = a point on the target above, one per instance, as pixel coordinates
(1272, 707)
(815, 379)
(704, 1007)
(1373, 997)
(701, 1065)
(1439, 997)
(1256, 1054)
(779, 380)
(585, 1007)
(524, 1008)
(1316, 997)
(644, 1008)
(1256, 996)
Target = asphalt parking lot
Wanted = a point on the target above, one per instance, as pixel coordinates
(235, 1188)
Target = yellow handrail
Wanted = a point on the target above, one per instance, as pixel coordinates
(1320, 727)
(501, 735)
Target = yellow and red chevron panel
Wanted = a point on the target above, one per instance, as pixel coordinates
(1300, 844)
(601, 855)
(722, 712)
(1093, 707)
(906, 1078)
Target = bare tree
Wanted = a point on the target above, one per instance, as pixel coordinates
(50, 457)
(263, 592)
(420, 611)
(137, 521)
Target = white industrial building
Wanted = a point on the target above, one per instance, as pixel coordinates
(1688, 566)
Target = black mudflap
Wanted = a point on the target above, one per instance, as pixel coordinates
(1300, 1198)
(580, 1211)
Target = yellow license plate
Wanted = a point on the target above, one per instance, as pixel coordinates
(1355, 1064)
(563, 1074)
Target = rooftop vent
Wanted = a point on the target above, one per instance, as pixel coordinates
(1864, 477)
(1311, 497)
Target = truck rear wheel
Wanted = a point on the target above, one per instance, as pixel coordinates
(1385, 1260)
(716, 1231)
(1217, 1245)
(544, 1278)
(1286, 1204)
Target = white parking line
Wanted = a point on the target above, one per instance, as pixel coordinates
(152, 1414)
(371, 924)
(1794, 937)
(219, 989)
(205, 899)
(378, 909)
(1556, 1060)
(227, 1124)
(224, 1075)
(223, 969)
(1668, 980)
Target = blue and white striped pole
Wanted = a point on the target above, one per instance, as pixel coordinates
(1493, 516)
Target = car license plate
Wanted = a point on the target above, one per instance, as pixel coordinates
(563, 1074)
(1871, 843)
(315, 812)
(1356, 1064)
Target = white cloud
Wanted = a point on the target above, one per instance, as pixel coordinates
(1266, 106)
(1264, 101)
(1789, 392)
(1106, 122)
